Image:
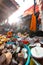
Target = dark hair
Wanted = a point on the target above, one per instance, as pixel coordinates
(37, 14)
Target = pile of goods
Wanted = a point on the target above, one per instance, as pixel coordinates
(12, 51)
(3, 39)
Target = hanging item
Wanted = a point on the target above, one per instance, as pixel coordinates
(33, 23)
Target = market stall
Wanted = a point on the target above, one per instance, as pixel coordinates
(21, 32)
